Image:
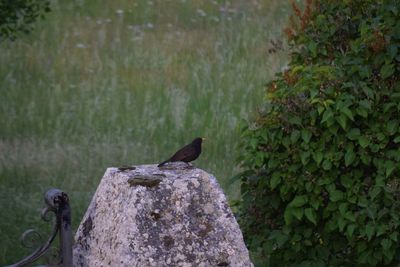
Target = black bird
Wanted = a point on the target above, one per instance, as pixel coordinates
(187, 153)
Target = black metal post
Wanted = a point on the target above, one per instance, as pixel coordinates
(66, 240)
(58, 203)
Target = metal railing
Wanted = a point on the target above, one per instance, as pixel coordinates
(57, 203)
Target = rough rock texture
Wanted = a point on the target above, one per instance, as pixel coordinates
(176, 215)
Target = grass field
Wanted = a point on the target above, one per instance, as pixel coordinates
(126, 82)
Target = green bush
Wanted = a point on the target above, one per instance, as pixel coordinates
(322, 159)
(18, 16)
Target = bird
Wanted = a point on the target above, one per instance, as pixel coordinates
(187, 153)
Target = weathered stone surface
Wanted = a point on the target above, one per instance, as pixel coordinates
(179, 217)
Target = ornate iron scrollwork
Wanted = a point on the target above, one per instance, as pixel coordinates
(57, 203)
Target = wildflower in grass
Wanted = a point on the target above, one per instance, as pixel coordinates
(80, 45)
(215, 18)
(227, 10)
(201, 12)
(119, 12)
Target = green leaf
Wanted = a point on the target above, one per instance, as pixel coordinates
(366, 104)
(387, 70)
(295, 120)
(306, 135)
(392, 126)
(368, 91)
(304, 156)
(380, 181)
(280, 237)
(374, 148)
(392, 49)
(308, 186)
(320, 109)
(318, 157)
(394, 236)
(341, 223)
(294, 136)
(298, 213)
(347, 181)
(349, 157)
(272, 163)
(312, 46)
(315, 203)
(350, 230)
(350, 216)
(361, 246)
(353, 134)
(286, 142)
(369, 231)
(362, 112)
(363, 141)
(335, 195)
(346, 111)
(288, 216)
(380, 136)
(381, 229)
(389, 106)
(343, 208)
(374, 192)
(342, 120)
(275, 180)
(366, 159)
(390, 166)
(386, 244)
(298, 201)
(328, 114)
(326, 165)
(254, 143)
(311, 215)
(352, 199)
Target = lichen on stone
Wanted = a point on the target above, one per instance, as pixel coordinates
(149, 181)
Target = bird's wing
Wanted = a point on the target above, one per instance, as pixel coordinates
(183, 153)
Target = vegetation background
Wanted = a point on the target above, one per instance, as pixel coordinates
(102, 84)
(321, 185)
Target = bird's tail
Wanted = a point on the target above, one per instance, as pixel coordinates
(162, 163)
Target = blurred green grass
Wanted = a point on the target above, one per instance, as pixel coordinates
(125, 82)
